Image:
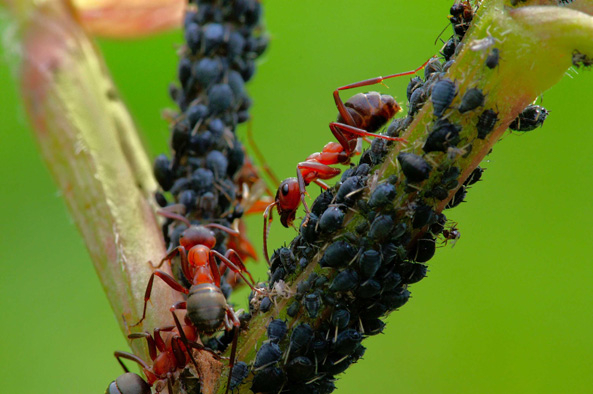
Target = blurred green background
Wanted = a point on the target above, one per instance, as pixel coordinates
(509, 309)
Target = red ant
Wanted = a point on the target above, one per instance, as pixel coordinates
(206, 306)
(359, 117)
(174, 352)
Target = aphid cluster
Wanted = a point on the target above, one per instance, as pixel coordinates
(208, 172)
(202, 183)
(208, 168)
(365, 265)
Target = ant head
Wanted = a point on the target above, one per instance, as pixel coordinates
(288, 198)
(197, 235)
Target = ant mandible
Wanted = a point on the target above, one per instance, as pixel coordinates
(359, 117)
(207, 309)
(174, 352)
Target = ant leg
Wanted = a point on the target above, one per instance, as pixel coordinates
(338, 130)
(234, 257)
(342, 108)
(267, 223)
(321, 184)
(129, 356)
(152, 346)
(241, 243)
(232, 266)
(260, 156)
(227, 230)
(320, 170)
(303, 190)
(185, 266)
(174, 216)
(168, 280)
(237, 325)
(160, 344)
(185, 342)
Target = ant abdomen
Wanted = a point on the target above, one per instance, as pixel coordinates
(370, 111)
(206, 307)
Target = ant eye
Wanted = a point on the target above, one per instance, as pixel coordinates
(285, 189)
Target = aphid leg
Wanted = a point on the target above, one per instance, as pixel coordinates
(342, 108)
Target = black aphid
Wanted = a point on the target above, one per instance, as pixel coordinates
(474, 176)
(423, 215)
(414, 84)
(300, 369)
(331, 220)
(322, 202)
(442, 96)
(381, 228)
(337, 254)
(373, 326)
(423, 249)
(395, 299)
(347, 192)
(345, 281)
(293, 309)
(347, 341)
(269, 353)
(486, 122)
(444, 135)
(369, 289)
(433, 65)
(337, 364)
(309, 232)
(312, 303)
(265, 304)
(532, 117)
(270, 379)
(276, 330)
(414, 167)
(240, 372)
(412, 272)
(448, 50)
(457, 199)
(369, 263)
(493, 58)
(301, 337)
(340, 318)
(208, 71)
(382, 195)
(417, 101)
(220, 98)
(471, 100)
(162, 172)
